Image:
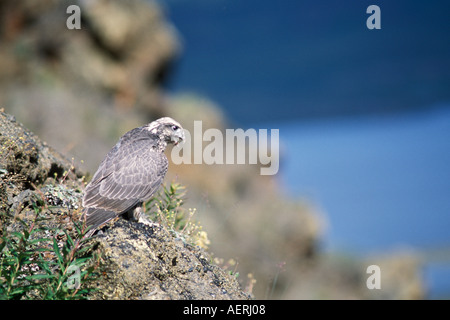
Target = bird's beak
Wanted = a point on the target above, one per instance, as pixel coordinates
(179, 138)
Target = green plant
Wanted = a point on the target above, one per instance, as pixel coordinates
(38, 262)
(168, 204)
(166, 208)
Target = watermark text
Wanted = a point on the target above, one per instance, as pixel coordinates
(234, 146)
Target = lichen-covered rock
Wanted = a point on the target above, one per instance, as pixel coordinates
(26, 165)
(23, 154)
(143, 261)
(30, 177)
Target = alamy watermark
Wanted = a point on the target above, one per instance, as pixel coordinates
(234, 146)
(374, 280)
(74, 278)
(374, 20)
(74, 19)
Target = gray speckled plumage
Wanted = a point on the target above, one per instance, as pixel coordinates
(131, 172)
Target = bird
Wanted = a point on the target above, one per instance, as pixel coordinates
(132, 171)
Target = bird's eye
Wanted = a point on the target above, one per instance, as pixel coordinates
(175, 128)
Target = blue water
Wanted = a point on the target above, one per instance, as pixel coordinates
(265, 60)
(382, 183)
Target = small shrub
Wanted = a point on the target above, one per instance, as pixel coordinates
(42, 263)
(166, 209)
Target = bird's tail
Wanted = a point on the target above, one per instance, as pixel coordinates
(96, 218)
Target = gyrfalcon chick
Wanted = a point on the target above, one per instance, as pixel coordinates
(130, 173)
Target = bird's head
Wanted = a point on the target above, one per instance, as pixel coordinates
(167, 129)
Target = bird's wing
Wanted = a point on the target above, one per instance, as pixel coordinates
(128, 175)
